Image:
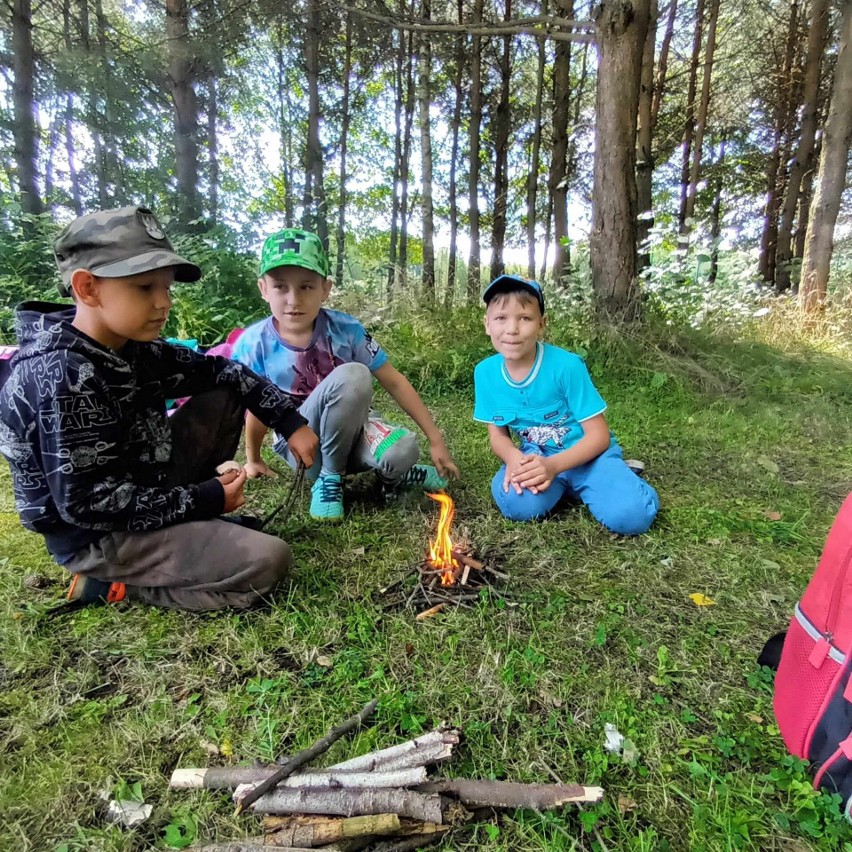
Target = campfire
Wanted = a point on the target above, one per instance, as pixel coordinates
(450, 572)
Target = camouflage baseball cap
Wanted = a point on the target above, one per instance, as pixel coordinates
(294, 247)
(115, 243)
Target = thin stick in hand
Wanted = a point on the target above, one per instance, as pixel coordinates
(306, 756)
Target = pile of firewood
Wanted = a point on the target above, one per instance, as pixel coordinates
(382, 801)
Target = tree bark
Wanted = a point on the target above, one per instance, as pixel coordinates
(803, 160)
(285, 145)
(24, 128)
(716, 212)
(558, 178)
(474, 272)
(689, 120)
(213, 145)
(399, 97)
(622, 27)
(182, 79)
(426, 207)
(73, 177)
(535, 155)
(344, 139)
(701, 123)
(315, 213)
(663, 64)
(819, 245)
(509, 794)
(455, 126)
(405, 171)
(501, 161)
(769, 234)
(644, 140)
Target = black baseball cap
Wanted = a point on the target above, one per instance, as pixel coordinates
(512, 283)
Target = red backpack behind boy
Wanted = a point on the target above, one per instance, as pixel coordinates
(813, 690)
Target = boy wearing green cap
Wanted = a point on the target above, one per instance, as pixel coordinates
(128, 500)
(326, 360)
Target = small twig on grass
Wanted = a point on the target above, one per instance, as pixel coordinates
(305, 756)
(288, 502)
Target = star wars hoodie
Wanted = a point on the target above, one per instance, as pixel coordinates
(85, 431)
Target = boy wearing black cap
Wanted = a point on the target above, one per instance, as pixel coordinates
(544, 395)
(127, 499)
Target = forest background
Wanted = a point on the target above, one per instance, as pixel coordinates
(677, 175)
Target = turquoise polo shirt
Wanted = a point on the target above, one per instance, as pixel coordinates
(545, 408)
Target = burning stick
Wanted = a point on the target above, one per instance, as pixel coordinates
(469, 561)
(306, 756)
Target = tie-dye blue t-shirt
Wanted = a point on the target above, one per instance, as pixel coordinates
(338, 339)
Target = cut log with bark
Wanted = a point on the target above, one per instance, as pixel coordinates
(320, 831)
(508, 794)
(306, 756)
(408, 803)
(391, 755)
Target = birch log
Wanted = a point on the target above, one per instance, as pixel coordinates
(508, 794)
(371, 761)
(352, 803)
(231, 778)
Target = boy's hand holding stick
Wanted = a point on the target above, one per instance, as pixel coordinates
(232, 481)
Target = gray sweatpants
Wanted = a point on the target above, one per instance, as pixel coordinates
(203, 564)
(337, 410)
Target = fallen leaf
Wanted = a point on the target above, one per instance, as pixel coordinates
(128, 813)
(629, 752)
(701, 600)
(626, 804)
(211, 748)
(409, 649)
(773, 516)
(715, 541)
(768, 464)
(324, 661)
(753, 717)
(359, 551)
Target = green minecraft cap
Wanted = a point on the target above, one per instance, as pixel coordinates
(294, 247)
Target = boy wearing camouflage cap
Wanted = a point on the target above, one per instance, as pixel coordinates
(326, 360)
(127, 499)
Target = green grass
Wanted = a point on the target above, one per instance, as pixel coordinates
(603, 630)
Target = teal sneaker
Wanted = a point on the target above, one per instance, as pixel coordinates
(422, 476)
(327, 498)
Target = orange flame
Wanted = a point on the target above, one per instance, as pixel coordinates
(441, 547)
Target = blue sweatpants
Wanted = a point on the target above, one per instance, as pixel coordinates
(623, 502)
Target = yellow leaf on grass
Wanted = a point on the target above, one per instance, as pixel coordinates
(701, 600)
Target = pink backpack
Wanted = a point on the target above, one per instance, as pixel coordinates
(813, 690)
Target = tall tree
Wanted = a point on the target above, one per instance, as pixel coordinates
(455, 126)
(181, 81)
(426, 206)
(701, 122)
(399, 100)
(405, 168)
(689, 117)
(558, 178)
(644, 139)
(344, 140)
(314, 213)
(535, 153)
(819, 245)
(803, 161)
(501, 148)
(663, 63)
(76, 197)
(474, 272)
(781, 119)
(622, 26)
(716, 210)
(24, 128)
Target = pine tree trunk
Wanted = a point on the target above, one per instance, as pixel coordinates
(315, 189)
(344, 140)
(185, 112)
(535, 155)
(473, 269)
(663, 64)
(819, 244)
(24, 127)
(644, 140)
(769, 234)
(501, 162)
(455, 125)
(52, 142)
(689, 120)
(405, 171)
(701, 123)
(69, 118)
(558, 178)
(621, 30)
(806, 199)
(399, 96)
(426, 208)
(803, 160)
(213, 145)
(716, 212)
(571, 165)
